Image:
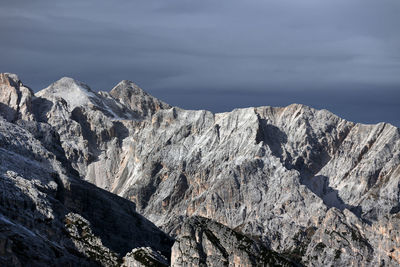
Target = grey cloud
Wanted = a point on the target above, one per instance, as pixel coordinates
(300, 48)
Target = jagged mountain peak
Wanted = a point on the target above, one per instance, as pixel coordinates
(74, 92)
(79, 95)
(127, 89)
(131, 95)
(15, 98)
(125, 101)
(9, 78)
(127, 85)
(68, 81)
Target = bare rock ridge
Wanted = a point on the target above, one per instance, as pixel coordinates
(92, 126)
(48, 215)
(204, 242)
(132, 96)
(77, 94)
(314, 188)
(15, 98)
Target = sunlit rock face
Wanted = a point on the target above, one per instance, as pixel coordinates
(92, 126)
(274, 173)
(302, 182)
(49, 216)
(15, 98)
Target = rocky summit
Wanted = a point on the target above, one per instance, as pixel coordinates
(121, 178)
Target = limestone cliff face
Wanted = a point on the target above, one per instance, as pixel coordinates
(92, 126)
(302, 182)
(133, 97)
(15, 98)
(275, 173)
(48, 215)
(204, 242)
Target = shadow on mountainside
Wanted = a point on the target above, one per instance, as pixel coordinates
(41, 107)
(37, 201)
(119, 226)
(308, 163)
(272, 136)
(8, 113)
(30, 237)
(37, 237)
(319, 185)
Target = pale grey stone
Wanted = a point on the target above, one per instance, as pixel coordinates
(302, 182)
(51, 217)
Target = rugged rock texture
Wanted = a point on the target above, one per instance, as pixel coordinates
(203, 242)
(15, 98)
(132, 96)
(49, 216)
(144, 256)
(303, 182)
(92, 126)
(272, 173)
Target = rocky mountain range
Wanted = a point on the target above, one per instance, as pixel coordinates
(121, 178)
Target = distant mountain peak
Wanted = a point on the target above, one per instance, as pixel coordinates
(127, 84)
(130, 94)
(127, 89)
(74, 92)
(68, 83)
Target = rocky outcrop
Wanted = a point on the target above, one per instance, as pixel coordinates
(132, 96)
(203, 242)
(145, 256)
(50, 217)
(274, 173)
(15, 98)
(304, 183)
(92, 126)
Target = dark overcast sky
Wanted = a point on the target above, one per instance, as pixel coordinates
(342, 55)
